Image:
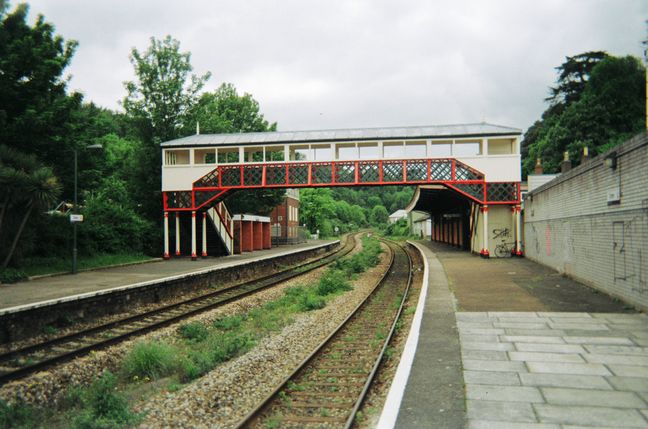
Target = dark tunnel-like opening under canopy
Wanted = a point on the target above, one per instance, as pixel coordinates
(438, 200)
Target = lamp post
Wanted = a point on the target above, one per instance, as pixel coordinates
(74, 220)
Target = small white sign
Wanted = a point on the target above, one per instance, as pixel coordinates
(76, 218)
(613, 195)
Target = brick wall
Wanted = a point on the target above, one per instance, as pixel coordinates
(570, 226)
(285, 219)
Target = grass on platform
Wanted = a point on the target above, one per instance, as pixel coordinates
(50, 265)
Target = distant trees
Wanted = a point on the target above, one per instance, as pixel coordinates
(598, 102)
(324, 209)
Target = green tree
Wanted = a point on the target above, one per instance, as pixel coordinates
(225, 111)
(379, 215)
(358, 215)
(164, 92)
(112, 225)
(34, 107)
(157, 103)
(27, 185)
(573, 75)
(316, 208)
(609, 110)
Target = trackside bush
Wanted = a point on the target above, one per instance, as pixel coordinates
(15, 415)
(216, 348)
(102, 407)
(150, 359)
(195, 331)
(11, 275)
(359, 262)
(333, 281)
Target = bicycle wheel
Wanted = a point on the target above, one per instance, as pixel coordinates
(501, 251)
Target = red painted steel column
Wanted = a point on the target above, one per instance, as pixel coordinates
(267, 239)
(484, 252)
(166, 236)
(193, 236)
(204, 235)
(257, 242)
(177, 231)
(518, 230)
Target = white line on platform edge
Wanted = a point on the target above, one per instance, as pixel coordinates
(397, 389)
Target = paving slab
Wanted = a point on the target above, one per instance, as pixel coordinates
(503, 393)
(629, 384)
(565, 380)
(629, 370)
(534, 356)
(624, 359)
(488, 424)
(545, 357)
(549, 348)
(495, 378)
(590, 416)
(592, 397)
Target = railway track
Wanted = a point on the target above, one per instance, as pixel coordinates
(328, 388)
(24, 361)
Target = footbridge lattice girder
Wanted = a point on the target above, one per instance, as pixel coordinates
(449, 172)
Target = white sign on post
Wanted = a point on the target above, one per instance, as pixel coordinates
(76, 218)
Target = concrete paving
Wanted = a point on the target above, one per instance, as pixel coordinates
(56, 287)
(535, 351)
(581, 369)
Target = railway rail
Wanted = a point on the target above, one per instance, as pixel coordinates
(24, 361)
(328, 388)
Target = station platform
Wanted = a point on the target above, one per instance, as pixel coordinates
(61, 288)
(511, 344)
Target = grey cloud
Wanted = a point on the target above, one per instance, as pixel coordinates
(323, 64)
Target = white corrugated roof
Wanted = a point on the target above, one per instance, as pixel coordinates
(353, 134)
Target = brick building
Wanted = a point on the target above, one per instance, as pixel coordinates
(591, 223)
(284, 220)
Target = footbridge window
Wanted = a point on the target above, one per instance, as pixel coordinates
(441, 149)
(467, 148)
(368, 151)
(393, 150)
(176, 157)
(205, 156)
(274, 153)
(299, 153)
(415, 149)
(346, 151)
(253, 154)
(501, 146)
(228, 155)
(322, 152)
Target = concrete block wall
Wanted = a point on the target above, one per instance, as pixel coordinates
(570, 226)
(501, 229)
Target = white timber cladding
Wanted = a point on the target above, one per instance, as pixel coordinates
(572, 225)
(497, 157)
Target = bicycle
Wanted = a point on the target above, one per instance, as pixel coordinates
(504, 250)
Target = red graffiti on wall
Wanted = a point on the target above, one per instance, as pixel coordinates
(548, 240)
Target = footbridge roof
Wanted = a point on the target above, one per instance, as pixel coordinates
(353, 134)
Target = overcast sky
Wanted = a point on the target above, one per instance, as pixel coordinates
(344, 64)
